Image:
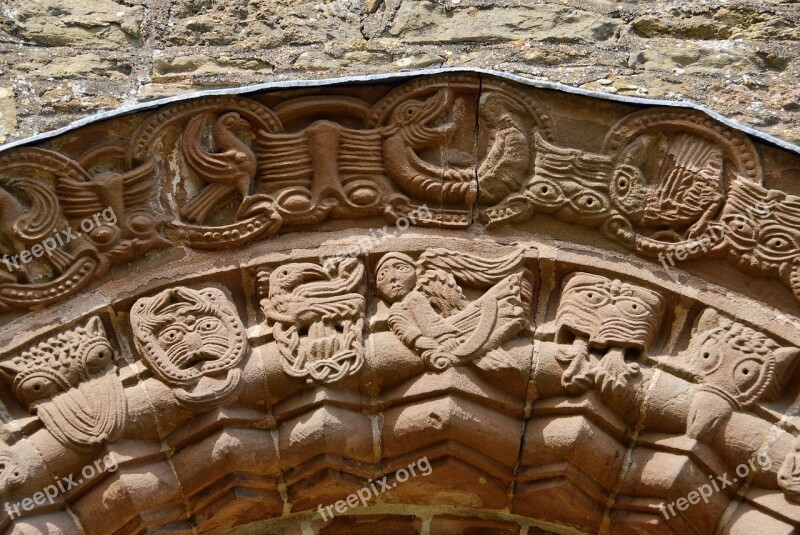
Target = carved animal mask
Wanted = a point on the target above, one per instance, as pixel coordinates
(583, 187)
(608, 313)
(762, 229)
(736, 362)
(70, 382)
(186, 336)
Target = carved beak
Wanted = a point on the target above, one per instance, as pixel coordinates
(432, 109)
(314, 273)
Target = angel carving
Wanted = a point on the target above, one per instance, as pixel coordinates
(433, 317)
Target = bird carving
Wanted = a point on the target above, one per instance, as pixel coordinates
(232, 168)
(25, 224)
(688, 173)
(317, 318)
(411, 129)
(303, 293)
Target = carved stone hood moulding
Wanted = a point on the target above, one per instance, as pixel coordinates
(582, 312)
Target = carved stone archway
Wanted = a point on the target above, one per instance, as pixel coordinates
(447, 303)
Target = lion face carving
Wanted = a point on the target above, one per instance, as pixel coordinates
(194, 341)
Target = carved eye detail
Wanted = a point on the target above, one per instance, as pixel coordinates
(170, 335)
(98, 357)
(589, 203)
(746, 374)
(740, 226)
(708, 358)
(103, 235)
(593, 297)
(780, 242)
(209, 324)
(37, 387)
(545, 191)
(632, 308)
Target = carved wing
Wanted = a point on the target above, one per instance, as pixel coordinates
(471, 269)
(138, 184)
(688, 179)
(339, 307)
(84, 198)
(79, 198)
(442, 291)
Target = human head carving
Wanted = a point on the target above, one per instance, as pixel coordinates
(396, 276)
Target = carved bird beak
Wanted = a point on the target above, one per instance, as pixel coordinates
(314, 273)
(432, 109)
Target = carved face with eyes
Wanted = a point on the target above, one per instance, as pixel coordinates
(194, 341)
(60, 363)
(761, 228)
(582, 187)
(396, 276)
(735, 361)
(12, 472)
(69, 381)
(608, 313)
(185, 334)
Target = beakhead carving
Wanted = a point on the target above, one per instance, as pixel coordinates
(762, 232)
(603, 327)
(70, 382)
(735, 366)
